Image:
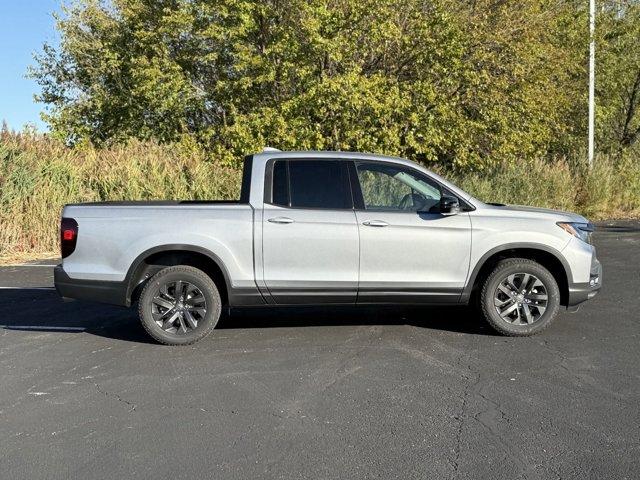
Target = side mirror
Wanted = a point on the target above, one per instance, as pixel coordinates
(449, 205)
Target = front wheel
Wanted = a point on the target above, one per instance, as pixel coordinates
(520, 297)
(179, 305)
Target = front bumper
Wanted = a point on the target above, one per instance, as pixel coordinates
(114, 293)
(581, 292)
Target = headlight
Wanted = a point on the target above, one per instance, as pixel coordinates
(581, 230)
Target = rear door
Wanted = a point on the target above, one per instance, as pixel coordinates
(309, 232)
(409, 252)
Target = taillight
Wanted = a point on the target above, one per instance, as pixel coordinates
(68, 236)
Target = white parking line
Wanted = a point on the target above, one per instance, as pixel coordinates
(27, 288)
(26, 265)
(42, 327)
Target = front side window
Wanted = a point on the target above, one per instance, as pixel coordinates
(390, 188)
(311, 184)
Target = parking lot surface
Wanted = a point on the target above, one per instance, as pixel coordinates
(322, 393)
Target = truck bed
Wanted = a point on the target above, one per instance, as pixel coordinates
(111, 235)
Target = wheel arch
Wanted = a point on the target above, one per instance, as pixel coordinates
(149, 262)
(546, 256)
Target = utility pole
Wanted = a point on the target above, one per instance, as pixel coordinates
(592, 77)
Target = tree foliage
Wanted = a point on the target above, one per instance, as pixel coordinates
(465, 83)
(618, 86)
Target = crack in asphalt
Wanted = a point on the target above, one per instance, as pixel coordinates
(489, 418)
(461, 417)
(116, 396)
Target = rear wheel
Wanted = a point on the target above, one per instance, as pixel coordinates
(520, 297)
(179, 305)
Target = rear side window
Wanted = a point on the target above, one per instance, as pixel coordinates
(312, 184)
(280, 184)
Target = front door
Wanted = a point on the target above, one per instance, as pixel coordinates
(409, 252)
(310, 234)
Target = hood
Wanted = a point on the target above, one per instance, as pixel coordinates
(559, 215)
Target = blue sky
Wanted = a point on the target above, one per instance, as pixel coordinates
(24, 26)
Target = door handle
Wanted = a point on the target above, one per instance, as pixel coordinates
(280, 220)
(375, 223)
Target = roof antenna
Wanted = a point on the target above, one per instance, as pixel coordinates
(271, 149)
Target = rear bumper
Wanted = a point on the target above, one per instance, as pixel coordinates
(114, 293)
(581, 292)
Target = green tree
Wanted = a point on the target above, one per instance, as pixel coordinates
(618, 81)
(462, 83)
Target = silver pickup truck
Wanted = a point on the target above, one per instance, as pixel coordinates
(327, 228)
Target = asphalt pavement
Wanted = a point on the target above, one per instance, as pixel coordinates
(322, 393)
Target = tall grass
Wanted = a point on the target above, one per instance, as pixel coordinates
(39, 175)
(610, 189)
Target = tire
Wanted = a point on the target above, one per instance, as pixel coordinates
(179, 305)
(502, 292)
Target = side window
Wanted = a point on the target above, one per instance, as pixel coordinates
(311, 184)
(387, 187)
(280, 190)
